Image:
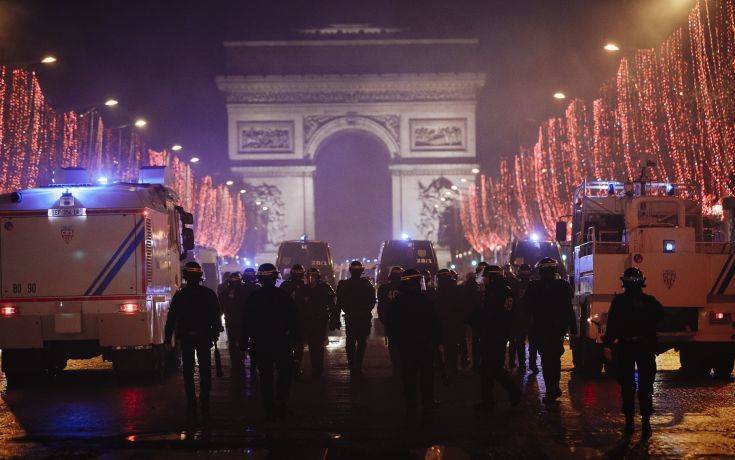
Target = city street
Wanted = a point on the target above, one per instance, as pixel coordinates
(88, 412)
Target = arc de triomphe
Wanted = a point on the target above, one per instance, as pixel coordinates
(286, 98)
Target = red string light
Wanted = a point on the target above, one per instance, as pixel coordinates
(674, 104)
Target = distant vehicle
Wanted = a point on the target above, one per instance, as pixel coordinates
(407, 253)
(309, 254)
(209, 260)
(688, 267)
(89, 270)
(531, 250)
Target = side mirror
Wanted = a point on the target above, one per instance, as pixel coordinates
(561, 231)
(187, 218)
(187, 239)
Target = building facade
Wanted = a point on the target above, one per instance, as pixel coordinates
(287, 99)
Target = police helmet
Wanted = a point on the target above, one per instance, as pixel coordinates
(633, 278)
(235, 276)
(395, 273)
(525, 270)
(481, 267)
(313, 272)
(249, 274)
(547, 267)
(192, 272)
(356, 267)
(267, 273)
(297, 270)
(493, 271)
(412, 278)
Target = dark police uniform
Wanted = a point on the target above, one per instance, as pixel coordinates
(493, 322)
(416, 336)
(631, 333)
(356, 298)
(195, 317)
(521, 322)
(271, 323)
(232, 300)
(453, 308)
(387, 292)
(314, 305)
(549, 302)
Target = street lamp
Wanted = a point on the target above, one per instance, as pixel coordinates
(194, 160)
(475, 170)
(176, 147)
(140, 123)
(229, 182)
(111, 102)
(48, 59)
(242, 191)
(611, 47)
(559, 96)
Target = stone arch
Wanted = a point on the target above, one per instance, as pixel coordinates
(351, 123)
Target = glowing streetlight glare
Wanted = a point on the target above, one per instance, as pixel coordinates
(48, 59)
(111, 102)
(475, 170)
(242, 191)
(611, 47)
(194, 160)
(139, 123)
(176, 147)
(229, 182)
(559, 95)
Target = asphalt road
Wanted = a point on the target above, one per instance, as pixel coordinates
(88, 412)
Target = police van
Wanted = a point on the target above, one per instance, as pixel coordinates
(87, 270)
(689, 268)
(308, 253)
(406, 253)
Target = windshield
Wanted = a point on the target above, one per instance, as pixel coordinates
(658, 214)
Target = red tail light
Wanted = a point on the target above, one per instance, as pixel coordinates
(718, 317)
(8, 310)
(129, 308)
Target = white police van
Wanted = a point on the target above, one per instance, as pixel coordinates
(87, 270)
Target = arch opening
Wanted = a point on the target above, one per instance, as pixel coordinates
(352, 192)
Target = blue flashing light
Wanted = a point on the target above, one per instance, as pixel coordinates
(670, 189)
(474, 263)
(611, 189)
(102, 180)
(405, 236)
(534, 237)
(669, 246)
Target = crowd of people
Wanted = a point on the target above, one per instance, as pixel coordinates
(432, 323)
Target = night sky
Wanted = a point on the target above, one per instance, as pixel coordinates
(160, 58)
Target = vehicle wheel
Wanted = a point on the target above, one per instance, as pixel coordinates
(694, 362)
(724, 364)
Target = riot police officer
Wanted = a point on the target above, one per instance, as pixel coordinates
(232, 300)
(522, 320)
(250, 285)
(493, 322)
(549, 300)
(271, 323)
(315, 303)
(387, 292)
(416, 336)
(630, 341)
(474, 289)
(295, 280)
(356, 298)
(453, 310)
(195, 317)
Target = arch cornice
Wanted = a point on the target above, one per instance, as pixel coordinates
(347, 123)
